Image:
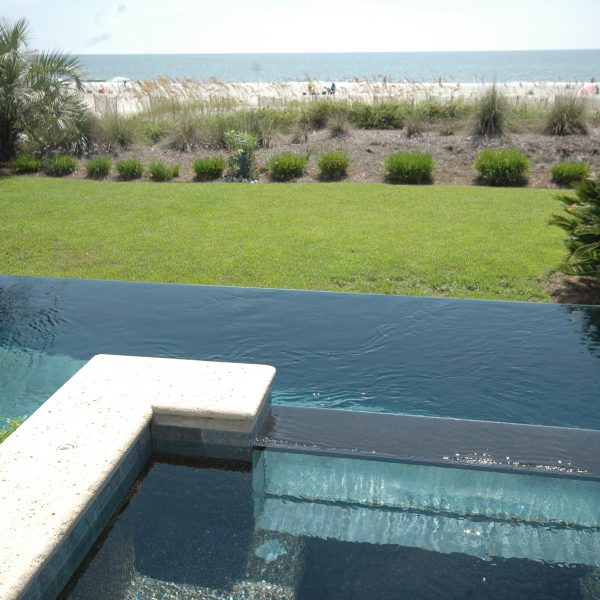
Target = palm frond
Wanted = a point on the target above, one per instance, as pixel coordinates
(581, 220)
(54, 67)
(14, 36)
(40, 93)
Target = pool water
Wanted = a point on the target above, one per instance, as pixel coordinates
(28, 377)
(495, 361)
(213, 532)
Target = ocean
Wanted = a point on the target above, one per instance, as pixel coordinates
(463, 67)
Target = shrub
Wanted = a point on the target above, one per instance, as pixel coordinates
(262, 123)
(581, 221)
(568, 173)
(214, 128)
(490, 113)
(25, 163)
(409, 167)
(117, 132)
(338, 124)
(333, 165)
(594, 118)
(567, 116)
(414, 122)
(286, 166)
(439, 110)
(61, 165)
(378, 116)
(159, 171)
(185, 133)
(155, 131)
(130, 168)
(98, 167)
(448, 128)
(300, 132)
(241, 160)
(319, 112)
(209, 169)
(502, 167)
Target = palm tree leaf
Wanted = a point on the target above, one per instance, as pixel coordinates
(47, 68)
(14, 37)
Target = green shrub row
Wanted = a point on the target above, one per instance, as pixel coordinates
(333, 166)
(502, 167)
(57, 166)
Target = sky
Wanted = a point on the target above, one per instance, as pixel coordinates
(254, 26)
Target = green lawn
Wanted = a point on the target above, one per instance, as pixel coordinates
(469, 242)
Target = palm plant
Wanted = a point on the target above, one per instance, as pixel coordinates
(581, 221)
(40, 94)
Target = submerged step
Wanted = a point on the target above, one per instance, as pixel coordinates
(442, 509)
(507, 496)
(440, 533)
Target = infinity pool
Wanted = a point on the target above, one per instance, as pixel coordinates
(497, 361)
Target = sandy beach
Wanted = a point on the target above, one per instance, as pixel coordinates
(133, 96)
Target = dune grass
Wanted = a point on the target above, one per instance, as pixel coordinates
(468, 242)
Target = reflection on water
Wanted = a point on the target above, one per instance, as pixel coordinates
(588, 318)
(498, 361)
(28, 314)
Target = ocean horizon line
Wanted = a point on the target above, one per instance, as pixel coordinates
(354, 52)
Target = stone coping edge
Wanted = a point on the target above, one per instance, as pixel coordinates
(64, 471)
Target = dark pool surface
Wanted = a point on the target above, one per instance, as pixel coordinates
(208, 533)
(499, 361)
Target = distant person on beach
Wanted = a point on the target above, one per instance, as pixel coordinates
(332, 89)
(589, 88)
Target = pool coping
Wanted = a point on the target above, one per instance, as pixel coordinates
(66, 469)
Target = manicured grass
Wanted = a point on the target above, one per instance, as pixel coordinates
(468, 242)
